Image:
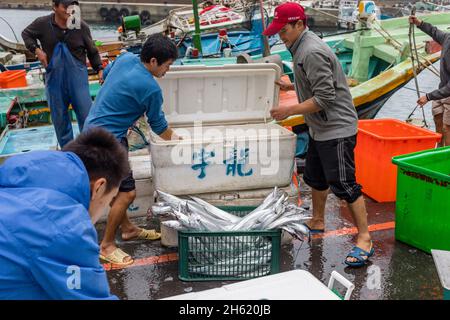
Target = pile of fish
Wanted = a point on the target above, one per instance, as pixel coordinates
(195, 214)
(239, 256)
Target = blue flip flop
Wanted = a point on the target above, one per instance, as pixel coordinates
(358, 254)
(314, 231)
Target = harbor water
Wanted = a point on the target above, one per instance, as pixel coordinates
(20, 19)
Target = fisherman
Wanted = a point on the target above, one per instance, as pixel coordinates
(326, 102)
(65, 41)
(129, 92)
(440, 97)
(50, 202)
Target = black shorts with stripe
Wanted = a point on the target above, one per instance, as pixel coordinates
(331, 164)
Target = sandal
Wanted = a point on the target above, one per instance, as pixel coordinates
(314, 231)
(146, 235)
(117, 258)
(361, 255)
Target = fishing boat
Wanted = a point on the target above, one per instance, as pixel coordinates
(377, 62)
(375, 59)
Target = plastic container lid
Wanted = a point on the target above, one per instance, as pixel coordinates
(220, 95)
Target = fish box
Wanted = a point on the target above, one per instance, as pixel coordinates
(13, 79)
(289, 285)
(422, 213)
(228, 142)
(18, 141)
(378, 141)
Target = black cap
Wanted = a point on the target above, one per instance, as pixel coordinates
(65, 2)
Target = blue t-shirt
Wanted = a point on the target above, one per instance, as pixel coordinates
(129, 91)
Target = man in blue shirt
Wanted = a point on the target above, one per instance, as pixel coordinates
(49, 202)
(130, 91)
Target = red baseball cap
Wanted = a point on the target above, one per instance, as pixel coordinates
(284, 13)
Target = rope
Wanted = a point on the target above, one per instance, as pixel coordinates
(415, 57)
(144, 139)
(332, 15)
(388, 37)
(14, 33)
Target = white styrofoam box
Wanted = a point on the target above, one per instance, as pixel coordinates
(142, 173)
(222, 99)
(140, 163)
(223, 158)
(18, 59)
(247, 198)
(290, 285)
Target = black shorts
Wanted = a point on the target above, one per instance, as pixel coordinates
(128, 184)
(331, 164)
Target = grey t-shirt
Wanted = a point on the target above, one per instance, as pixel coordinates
(319, 75)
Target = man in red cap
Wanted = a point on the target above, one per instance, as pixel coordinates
(326, 102)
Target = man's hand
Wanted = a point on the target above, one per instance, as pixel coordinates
(422, 101)
(281, 112)
(285, 86)
(100, 77)
(414, 20)
(42, 57)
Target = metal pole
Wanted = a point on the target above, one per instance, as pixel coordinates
(265, 41)
(196, 38)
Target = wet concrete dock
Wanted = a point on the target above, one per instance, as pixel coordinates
(396, 271)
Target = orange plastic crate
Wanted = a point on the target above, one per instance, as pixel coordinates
(377, 142)
(13, 79)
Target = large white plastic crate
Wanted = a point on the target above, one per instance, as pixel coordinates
(229, 142)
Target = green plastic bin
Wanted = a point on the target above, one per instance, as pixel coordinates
(240, 255)
(423, 199)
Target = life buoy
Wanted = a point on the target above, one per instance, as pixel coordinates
(145, 15)
(103, 12)
(124, 12)
(113, 13)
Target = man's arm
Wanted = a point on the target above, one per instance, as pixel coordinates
(283, 112)
(169, 134)
(69, 268)
(318, 69)
(31, 35)
(439, 94)
(155, 115)
(438, 35)
(91, 49)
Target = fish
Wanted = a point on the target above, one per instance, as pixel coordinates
(236, 256)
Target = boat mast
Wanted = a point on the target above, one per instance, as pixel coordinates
(196, 37)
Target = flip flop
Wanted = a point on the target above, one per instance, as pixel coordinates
(359, 254)
(116, 258)
(314, 231)
(146, 235)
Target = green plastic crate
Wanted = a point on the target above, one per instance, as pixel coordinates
(423, 199)
(236, 255)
